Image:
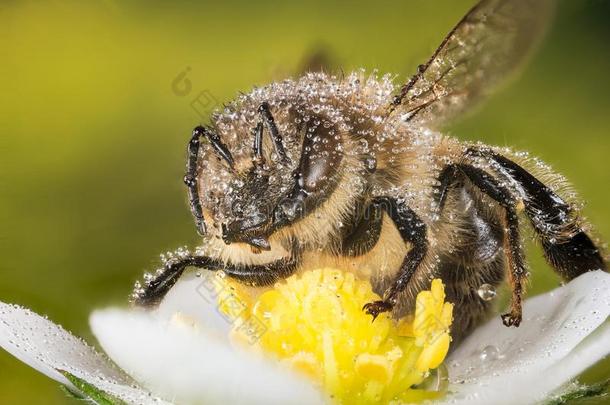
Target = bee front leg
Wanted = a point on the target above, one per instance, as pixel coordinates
(155, 290)
(413, 231)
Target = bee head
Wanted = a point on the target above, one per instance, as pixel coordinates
(249, 190)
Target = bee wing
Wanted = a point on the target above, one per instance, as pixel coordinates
(490, 42)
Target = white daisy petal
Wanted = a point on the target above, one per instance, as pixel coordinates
(186, 364)
(49, 348)
(195, 296)
(563, 333)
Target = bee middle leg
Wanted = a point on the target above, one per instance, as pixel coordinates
(413, 231)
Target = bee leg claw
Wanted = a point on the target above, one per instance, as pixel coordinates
(511, 319)
(377, 307)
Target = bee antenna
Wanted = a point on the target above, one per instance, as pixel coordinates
(219, 147)
(190, 178)
(258, 144)
(278, 142)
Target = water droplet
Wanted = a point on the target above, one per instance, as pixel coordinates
(371, 163)
(487, 292)
(489, 353)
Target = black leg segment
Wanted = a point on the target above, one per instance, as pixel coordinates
(413, 231)
(516, 263)
(364, 231)
(276, 137)
(190, 178)
(258, 144)
(446, 179)
(155, 290)
(567, 247)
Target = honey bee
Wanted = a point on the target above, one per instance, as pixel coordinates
(350, 172)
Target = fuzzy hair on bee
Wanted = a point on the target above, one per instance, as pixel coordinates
(351, 172)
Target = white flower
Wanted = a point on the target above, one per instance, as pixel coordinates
(179, 353)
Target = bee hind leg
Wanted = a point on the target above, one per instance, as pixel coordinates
(567, 247)
(511, 239)
(413, 231)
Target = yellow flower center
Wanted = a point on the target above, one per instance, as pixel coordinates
(314, 324)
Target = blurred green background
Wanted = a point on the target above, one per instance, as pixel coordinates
(93, 132)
